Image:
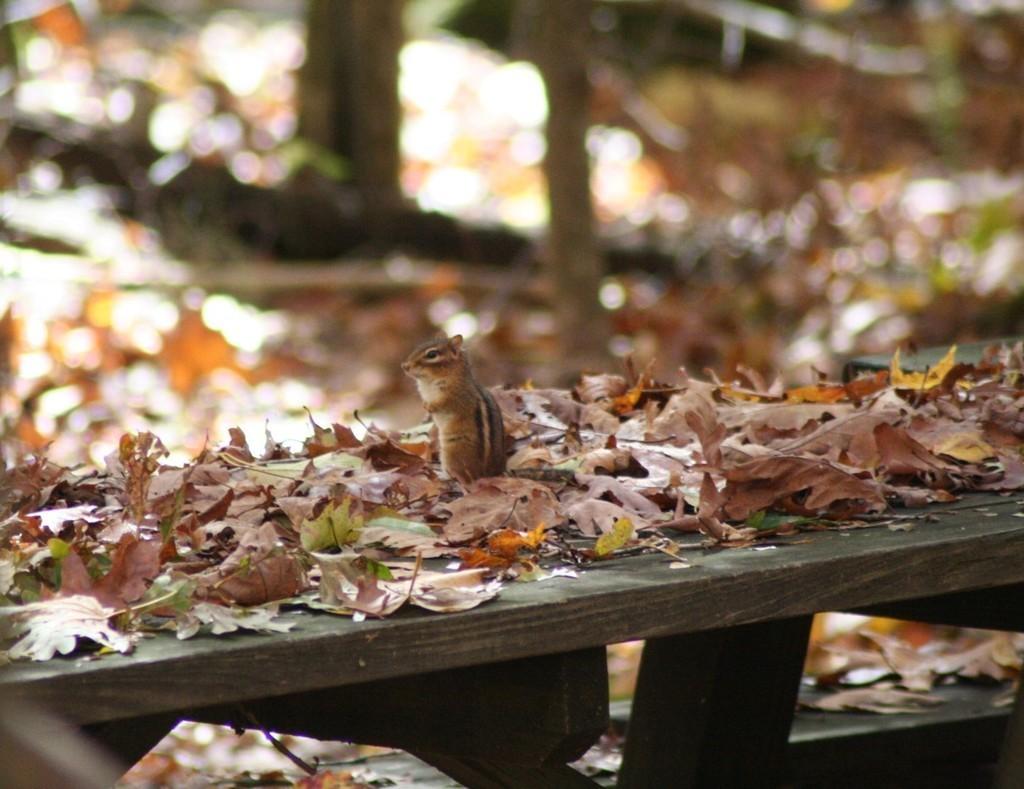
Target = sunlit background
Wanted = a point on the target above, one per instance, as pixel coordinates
(108, 334)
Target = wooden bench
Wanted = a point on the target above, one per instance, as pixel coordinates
(506, 694)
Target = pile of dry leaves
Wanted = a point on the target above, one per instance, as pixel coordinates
(891, 667)
(345, 524)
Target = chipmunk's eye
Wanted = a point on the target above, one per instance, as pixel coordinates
(431, 355)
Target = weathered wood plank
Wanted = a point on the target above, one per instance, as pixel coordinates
(531, 712)
(992, 609)
(868, 750)
(714, 709)
(855, 749)
(618, 600)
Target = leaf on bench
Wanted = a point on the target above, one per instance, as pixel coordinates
(54, 626)
(882, 700)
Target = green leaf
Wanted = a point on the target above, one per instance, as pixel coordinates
(168, 591)
(59, 551)
(756, 519)
(378, 569)
(762, 520)
(335, 527)
(389, 519)
(58, 548)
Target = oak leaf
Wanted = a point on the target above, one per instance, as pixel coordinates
(497, 502)
(54, 626)
(800, 486)
(900, 455)
(135, 564)
(274, 577)
(228, 619)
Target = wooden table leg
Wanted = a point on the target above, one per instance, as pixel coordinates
(130, 740)
(501, 724)
(1010, 772)
(714, 709)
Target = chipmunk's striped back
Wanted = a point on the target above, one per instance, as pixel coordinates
(469, 423)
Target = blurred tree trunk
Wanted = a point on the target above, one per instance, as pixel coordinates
(562, 35)
(349, 95)
(8, 82)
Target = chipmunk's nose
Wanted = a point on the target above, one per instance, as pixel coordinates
(405, 366)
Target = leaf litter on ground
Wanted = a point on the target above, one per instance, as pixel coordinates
(345, 524)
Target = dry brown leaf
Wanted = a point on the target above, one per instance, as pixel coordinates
(624, 490)
(271, 578)
(500, 502)
(767, 421)
(389, 455)
(837, 436)
(882, 700)
(345, 584)
(257, 571)
(800, 486)
(598, 419)
(134, 565)
(594, 517)
(900, 455)
(609, 461)
(532, 456)
(593, 388)
(552, 408)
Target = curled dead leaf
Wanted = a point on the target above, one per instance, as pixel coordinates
(799, 486)
(501, 502)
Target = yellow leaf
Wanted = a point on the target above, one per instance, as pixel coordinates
(817, 393)
(534, 537)
(921, 380)
(967, 446)
(736, 393)
(625, 403)
(622, 531)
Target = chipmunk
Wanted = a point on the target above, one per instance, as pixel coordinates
(468, 420)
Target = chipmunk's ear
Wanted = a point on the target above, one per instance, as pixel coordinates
(455, 342)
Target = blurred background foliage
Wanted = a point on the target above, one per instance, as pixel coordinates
(776, 186)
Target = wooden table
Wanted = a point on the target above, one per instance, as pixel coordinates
(506, 694)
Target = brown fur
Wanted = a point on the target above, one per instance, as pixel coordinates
(469, 423)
